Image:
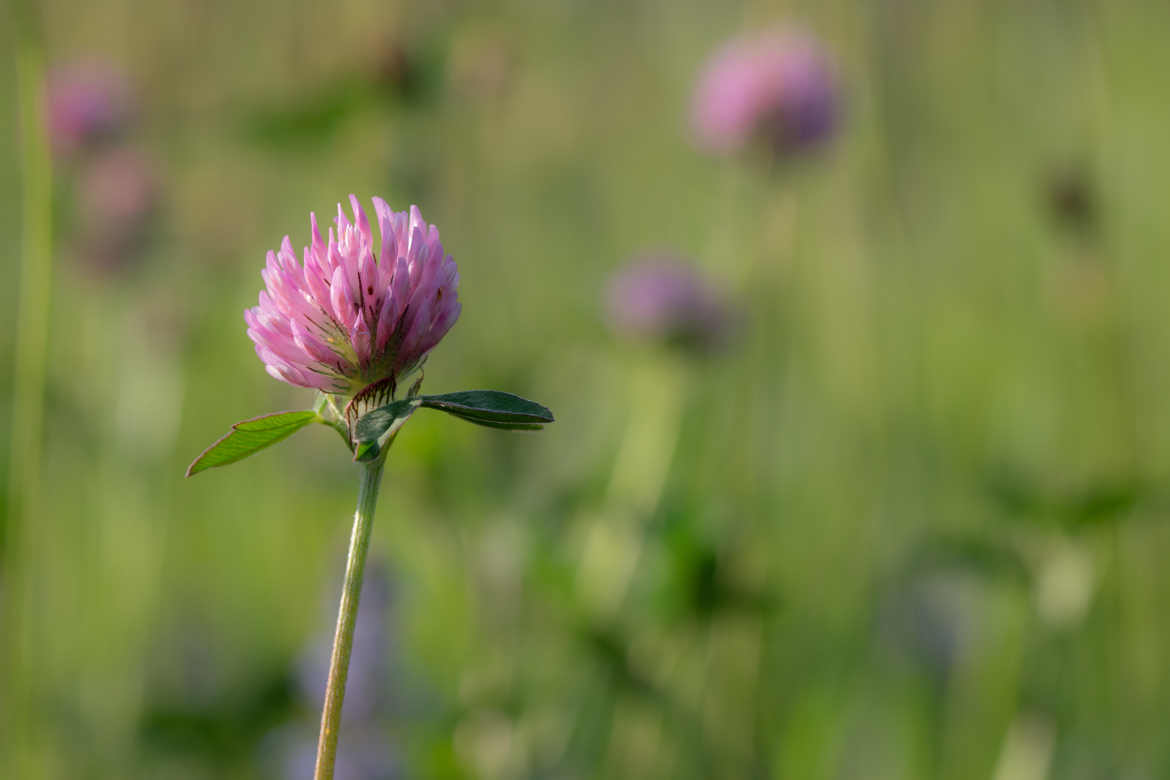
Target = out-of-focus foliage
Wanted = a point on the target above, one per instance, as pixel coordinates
(909, 523)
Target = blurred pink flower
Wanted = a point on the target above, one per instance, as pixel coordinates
(779, 87)
(348, 318)
(87, 103)
(117, 197)
(663, 298)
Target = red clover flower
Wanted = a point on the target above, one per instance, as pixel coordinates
(353, 319)
(87, 104)
(778, 87)
(350, 316)
(664, 299)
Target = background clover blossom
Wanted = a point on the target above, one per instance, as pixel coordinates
(778, 86)
(348, 317)
(663, 298)
(369, 708)
(87, 103)
(117, 201)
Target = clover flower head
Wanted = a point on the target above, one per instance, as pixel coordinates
(118, 196)
(351, 316)
(779, 87)
(663, 298)
(87, 103)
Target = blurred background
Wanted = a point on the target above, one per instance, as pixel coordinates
(852, 314)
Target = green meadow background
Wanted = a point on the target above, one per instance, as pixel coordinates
(911, 524)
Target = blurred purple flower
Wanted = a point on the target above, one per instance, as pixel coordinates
(778, 87)
(116, 201)
(368, 681)
(87, 104)
(292, 749)
(930, 621)
(663, 298)
(366, 755)
(345, 320)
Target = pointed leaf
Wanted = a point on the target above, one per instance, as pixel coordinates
(504, 426)
(1102, 504)
(490, 406)
(250, 436)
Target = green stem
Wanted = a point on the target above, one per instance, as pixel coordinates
(24, 463)
(359, 544)
(35, 280)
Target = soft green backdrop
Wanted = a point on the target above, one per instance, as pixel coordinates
(913, 525)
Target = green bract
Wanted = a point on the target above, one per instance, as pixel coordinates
(490, 408)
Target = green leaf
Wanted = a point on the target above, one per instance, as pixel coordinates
(491, 408)
(313, 118)
(250, 436)
(504, 426)
(1102, 504)
(373, 428)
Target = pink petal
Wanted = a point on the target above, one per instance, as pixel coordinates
(341, 299)
(363, 224)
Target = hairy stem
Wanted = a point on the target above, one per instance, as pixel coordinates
(359, 544)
